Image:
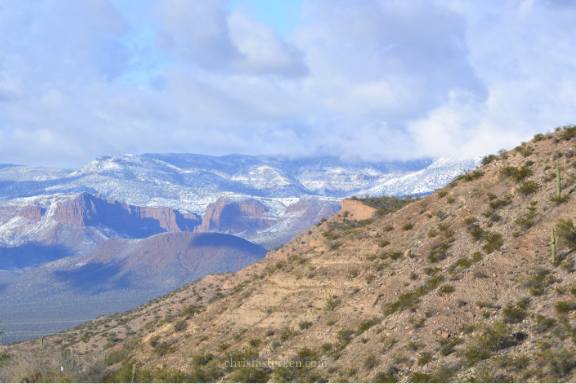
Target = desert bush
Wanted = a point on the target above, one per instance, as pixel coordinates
(446, 289)
(538, 281)
(528, 187)
(448, 347)
(492, 339)
(524, 149)
(411, 298)
(331, 303)
(543, 324)
(494, 241)
(407, 226)
(383, 243)
(560, 363)
(180, 326)
(370, 279)
(564, 306)
(370, 362)
(565, 229)
(538, 137)
(424, 358)
(367, 324)
(386, 377)
(513, 314)
(488, 159)
(385, 204)
(304, 324)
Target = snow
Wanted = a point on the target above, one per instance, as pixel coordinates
(189, 182)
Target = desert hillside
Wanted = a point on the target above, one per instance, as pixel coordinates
(458, 286)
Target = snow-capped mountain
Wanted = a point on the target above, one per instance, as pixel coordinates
(274, 197)
(190, 182)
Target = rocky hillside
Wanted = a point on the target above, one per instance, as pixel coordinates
(119, 274)
(461, 285)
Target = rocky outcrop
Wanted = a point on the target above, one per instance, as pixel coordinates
(138, 222)
(357, 210)
(32, 212)
(235, 216)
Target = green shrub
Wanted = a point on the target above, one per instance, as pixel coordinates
(367, 324)
(407, 226)
(370, 279)
(528, 187)
(477, 256)
(568, 132)
(488, 159)
(447, 347)
(180, 326)
(565, 229)
(304, 324)
(524, 150)
(383, 243)
(411, 298)
(494, 241)
(543, 324)
(538, 137)
(254, 342)
(513, 314)
(564, 306)
(441, 194)
(385, 204)
(388, 228)
(492, 339)
(450, 199)
(370, 362)
(331, 303)
(560, 363)
(424, 358)
(385, 377)
(538, 281)
(446, 289)
(344, 336)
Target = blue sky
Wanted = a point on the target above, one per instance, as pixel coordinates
(370, 79)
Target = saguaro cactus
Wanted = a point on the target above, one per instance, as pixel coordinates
(558, 182)
(553, 243)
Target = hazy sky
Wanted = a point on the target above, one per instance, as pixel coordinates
(390, 79)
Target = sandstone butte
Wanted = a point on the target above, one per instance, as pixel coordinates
(476, 299)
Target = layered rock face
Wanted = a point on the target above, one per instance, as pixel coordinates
(357, 210)
(235, 216)
(138, 222)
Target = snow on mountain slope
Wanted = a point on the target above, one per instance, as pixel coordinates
(189, 182)
(424, 181)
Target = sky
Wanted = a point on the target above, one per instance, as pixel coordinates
(363, 79)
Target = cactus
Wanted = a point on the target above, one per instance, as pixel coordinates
(553, 243)
(558, 182)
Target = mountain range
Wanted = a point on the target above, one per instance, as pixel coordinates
(195, 184)
(473, 283)
(60, 227)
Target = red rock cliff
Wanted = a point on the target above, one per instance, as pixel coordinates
(235, 216)
(95, 210)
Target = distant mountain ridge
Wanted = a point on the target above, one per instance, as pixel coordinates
(190, 182)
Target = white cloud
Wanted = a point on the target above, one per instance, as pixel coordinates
(392, 79)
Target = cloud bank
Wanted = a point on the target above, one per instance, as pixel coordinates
(388, 80)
